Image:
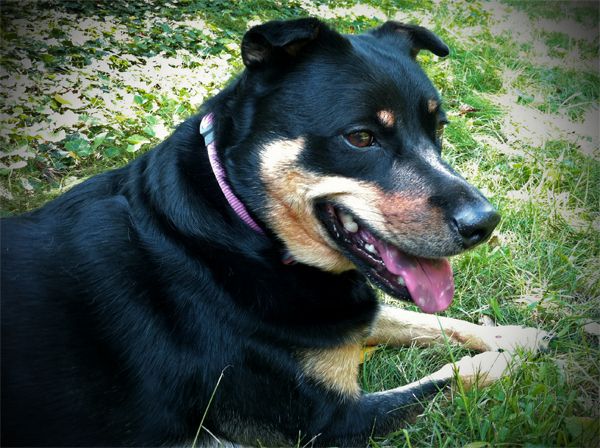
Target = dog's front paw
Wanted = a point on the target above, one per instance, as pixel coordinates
(512, 337)
(482, 369)
(485, 368)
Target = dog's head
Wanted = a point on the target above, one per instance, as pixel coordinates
(334, 144)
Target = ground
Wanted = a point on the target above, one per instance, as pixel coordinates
(87, 86)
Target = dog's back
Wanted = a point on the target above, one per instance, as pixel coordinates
(86, 288)
(125, 299)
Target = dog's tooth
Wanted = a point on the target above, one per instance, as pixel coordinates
(345, 217)
(351, 227)
(371, 248)
(349, 223)
(401, 281)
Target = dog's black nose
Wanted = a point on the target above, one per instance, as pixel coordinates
(475, 223)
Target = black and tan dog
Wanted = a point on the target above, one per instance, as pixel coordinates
(224, 277)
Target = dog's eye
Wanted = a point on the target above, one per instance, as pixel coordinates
(360, 139)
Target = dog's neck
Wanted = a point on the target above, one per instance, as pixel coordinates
(207, 131)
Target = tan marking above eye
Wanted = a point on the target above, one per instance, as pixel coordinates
(432, 106)
(387, 118)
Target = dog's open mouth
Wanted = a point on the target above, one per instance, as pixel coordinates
(427, 282)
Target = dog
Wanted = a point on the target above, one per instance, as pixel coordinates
(220, 286)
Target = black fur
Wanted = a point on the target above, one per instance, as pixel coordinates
(126, 299)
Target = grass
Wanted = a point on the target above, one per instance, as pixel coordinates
(541, 268)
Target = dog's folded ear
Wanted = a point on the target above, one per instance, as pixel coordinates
(277, 39)
(417, 37)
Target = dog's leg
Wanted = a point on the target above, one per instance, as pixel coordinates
(398, 327)
(361, 416)
(377, 414)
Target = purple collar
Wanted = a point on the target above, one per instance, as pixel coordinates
(206, 129)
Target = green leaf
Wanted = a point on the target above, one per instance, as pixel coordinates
(495, 308)
(47, 58)
(500, 395)
(477, 445)
(62, 100)
(112, 151)
(137, 139)
(151, 120)
(79, 146)
(98, 140)
(149, 131)
(85, 149)
(138, 99)
(538, 389)
(72, 145)
(581, 428)
(132, 148)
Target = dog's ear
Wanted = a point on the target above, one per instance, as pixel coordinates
(417, 37)
(276, 39)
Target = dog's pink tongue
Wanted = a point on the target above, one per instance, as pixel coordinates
(429, 282)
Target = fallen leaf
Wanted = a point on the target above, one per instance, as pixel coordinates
(487, 321)
(465, 109)
(529, 299)
(21, 152)
(592, 328)
(14, 166)
(477, 445)
(582, 428)
(68, 119)
(61, 99)
(563, 366)
(26, 185)
(137, 139)
(494, 241)
(4, 193)
(73, 100)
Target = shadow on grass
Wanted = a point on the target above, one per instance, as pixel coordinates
(223, 14)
